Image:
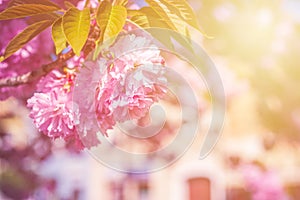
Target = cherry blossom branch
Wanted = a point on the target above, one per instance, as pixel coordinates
(36, 74)
(45, 69)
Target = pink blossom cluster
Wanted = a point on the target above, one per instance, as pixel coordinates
(52, 109)
(263, 184)
(120, 85)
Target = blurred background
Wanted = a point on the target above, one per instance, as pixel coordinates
(255, 46)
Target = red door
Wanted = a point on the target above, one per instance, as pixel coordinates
(199, 188)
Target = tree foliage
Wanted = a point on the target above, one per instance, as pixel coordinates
(71, 26)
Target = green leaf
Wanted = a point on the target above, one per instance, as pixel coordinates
(58, 36)
(25, 10)
(25, 36)
(43, 2)
(76, 27)
(111, 20)
(182, 9)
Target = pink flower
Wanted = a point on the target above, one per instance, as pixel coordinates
(120, 86)
(130, 78)
(53, 81)
(53, 111)
(143, 86)
(133, 81)
(263, 184)
(74, 142)
(74, 62)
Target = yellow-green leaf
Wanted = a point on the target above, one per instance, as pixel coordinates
(154, 19)
(43, 2)
(25, 10)
(157, 21)
(162, 11)
(111, 20)
(69, 4)
(58, 36)
(25, 36)
(173, 21)
(182, 9)
(41, 17)
(87, 3)
(121, 2)
(76, 27)
(132, 13)
(141, 20)
(146, 17)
